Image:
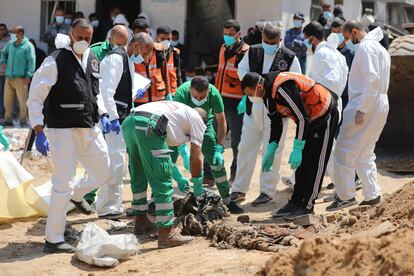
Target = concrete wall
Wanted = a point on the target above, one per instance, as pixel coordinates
(166, 12)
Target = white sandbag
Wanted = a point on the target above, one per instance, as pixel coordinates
(98, 248)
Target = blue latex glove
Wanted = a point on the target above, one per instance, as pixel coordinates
(241, 108)
(3, 139)
(295, 158)
(218, 159)
(42, 144)
(185, 155)
(267, 161)
(182, 182)
(198, 186)
(116, 126)
(106, 124)
(168, 97)
(140, 93)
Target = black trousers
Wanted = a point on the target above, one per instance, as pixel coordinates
(315, 156)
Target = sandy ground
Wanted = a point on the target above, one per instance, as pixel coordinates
(21, 242)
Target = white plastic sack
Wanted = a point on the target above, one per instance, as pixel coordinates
(99, 248)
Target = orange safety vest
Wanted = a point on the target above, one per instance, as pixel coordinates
(172, 72)
(227, 79)
(152, 72)
(316, 98)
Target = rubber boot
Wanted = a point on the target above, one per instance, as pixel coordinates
(142, 225)
(170, 237)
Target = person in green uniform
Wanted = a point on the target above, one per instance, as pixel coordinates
(200, 93)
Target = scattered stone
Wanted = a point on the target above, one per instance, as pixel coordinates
(307, 220)
(331, 218)
(378, 231)
(243, 219)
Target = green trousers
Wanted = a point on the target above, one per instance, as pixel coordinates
(208, 148)
(149, 161)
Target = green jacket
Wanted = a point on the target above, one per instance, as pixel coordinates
(101, 49)
(20, 59)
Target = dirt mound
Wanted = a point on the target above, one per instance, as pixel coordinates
(389, 255)
(397, 208)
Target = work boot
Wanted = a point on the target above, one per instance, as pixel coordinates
(142, 225)
(170, 237)
(59, 247)
(371, 202)
(83, 206)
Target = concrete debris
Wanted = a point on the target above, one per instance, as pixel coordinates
(348, 220)
(308, 220)
(384, 228)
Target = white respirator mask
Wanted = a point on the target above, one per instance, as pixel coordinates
(256, 99)
(79, 46)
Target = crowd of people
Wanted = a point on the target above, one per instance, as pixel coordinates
(94, 102)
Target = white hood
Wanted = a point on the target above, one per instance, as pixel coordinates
(62, 41)
(121, 19)
(333, 40)
(376, 34)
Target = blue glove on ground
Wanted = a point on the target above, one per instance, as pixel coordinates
(185, 155)
(106, 124)
(140, 93)
(168, 97)
(182, 182)
(116, 126)
(198, 185)
(218, 159)
(267, 161)
(42, 144)
(3, 139)
(295, 158)
(241, 108)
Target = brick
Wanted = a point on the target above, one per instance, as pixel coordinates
(331, 218)
(308, 220)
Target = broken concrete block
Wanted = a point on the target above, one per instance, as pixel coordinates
(307, 220)
(243, 219)
(331, 218)
(377, 231)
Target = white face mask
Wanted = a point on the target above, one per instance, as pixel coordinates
(256, 99)
(79, 46)
(166, 44)
(197, 102)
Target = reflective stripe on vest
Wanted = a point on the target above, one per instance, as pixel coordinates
(227, 80)
(171, 74)
(157, 88)
(316, 98)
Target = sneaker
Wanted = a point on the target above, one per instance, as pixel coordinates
(289, 207)
(330, 186)
(371, 202)
(234, 208)
(262, 199)
(59, 247)
(298, 212)
(288, 182)
(83, 206)
(237, 196)
(113, 215)
(340, 204)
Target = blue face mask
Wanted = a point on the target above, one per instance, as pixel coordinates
(13, 36)
(68, 21)
(297, 23)
(308, 44)
(136, 59)
(341, 38)
(327, 15)
(270, 49)
(189, 78)
(197, 102)
(229, 40)
(59, 19)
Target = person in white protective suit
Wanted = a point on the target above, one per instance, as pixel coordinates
(329, 68)
(69, 80)
(363, 119)
(262, 58)
(117, 73)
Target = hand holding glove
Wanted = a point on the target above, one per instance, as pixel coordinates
(241, 108)
(267, 161)
(198, 186)
(218, 159)
(106, 124)
(42, 144)
(185, 155)
(168, 97)
(295, 158)
(182, 182)
(116, 126)
(3, 139)
(140, 93)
